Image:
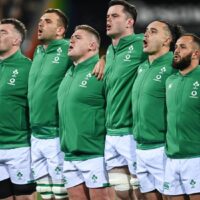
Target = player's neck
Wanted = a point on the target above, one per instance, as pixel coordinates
(4, 55)
(191, 67)
(158, 54)
(116, 38)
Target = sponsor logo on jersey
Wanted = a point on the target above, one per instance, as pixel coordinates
(166, 185)
(170, 86)
(140, 71)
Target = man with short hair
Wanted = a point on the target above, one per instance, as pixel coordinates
(81, 101)
(182, 177)
(149, 107)
(16, 181)
(122, 60)
(49, 66)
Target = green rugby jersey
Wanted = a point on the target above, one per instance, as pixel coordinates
(82, 112)
(47, 71)
(148, 102)
(14, 118)
(122, 62)
(183, 106)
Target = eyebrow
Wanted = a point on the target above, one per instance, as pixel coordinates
(76, 36)
(152, 29)
(3, 31)
(46, 19)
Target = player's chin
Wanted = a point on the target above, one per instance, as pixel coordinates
(145, 50)
(109, 33)
(70, 53)
(40, 37)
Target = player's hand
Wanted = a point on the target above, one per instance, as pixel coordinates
(98, 70)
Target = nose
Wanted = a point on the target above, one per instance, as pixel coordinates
(72, 39)
(177, 50)
(146, 34)
(41, 23)
(108, 18)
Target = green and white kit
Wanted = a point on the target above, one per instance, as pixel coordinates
(82, 112)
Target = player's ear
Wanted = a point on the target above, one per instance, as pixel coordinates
(130, 22)
(93, 46)
(17, 41)
(196, 54)
(60, 31)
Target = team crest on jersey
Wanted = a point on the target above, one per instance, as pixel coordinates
(160, 74)
(19, 175)
(84, 82)
(194, 92)
(94, 178)
(193, 183)
(56, 59)
(14, 75)
(58, 170)
(128, 54)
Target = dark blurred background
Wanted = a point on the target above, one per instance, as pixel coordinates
(93, 12)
